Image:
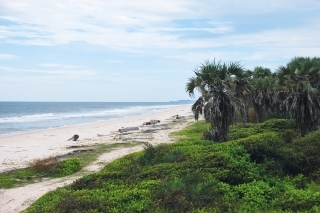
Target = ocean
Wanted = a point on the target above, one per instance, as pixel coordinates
(21, 117)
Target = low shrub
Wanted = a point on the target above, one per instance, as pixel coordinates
(160, 154)
(289, 135)
(44, 165)
(81, 202)
(298, 200)
(302, 155)
(280, 126)
(255, 196)
(188, 192)
(276, 125)
(239, 131)
(66, 167)
(262, 147)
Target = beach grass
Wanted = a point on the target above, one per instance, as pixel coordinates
(57, 166)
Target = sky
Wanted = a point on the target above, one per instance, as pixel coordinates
(142, 50)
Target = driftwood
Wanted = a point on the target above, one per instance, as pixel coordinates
(75, 152)
(154, 129)
(99, 135)
(180, 117)
(128, 129)
(74, 138)
(151, 122)
(73, 147)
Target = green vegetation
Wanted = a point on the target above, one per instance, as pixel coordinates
(49, 167)
(261, 169)
(229, 94)
(52, 167)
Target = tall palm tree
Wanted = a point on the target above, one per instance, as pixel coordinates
(215, 81)
(263, 96)
(300, 80)
(264, 92)
(243, 90)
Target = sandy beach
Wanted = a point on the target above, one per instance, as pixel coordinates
(17, 151)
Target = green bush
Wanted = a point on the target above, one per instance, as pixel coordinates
(302, 155)
(298, 200)
(67, 167)
(160, 154)
(81, 201)
(262, 147)
(188, 192)
(238, 132)
(276, 125)
(255, 196)
(289, 135)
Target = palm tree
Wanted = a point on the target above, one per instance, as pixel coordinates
(261, 72)
(300, 80)
(243, 90)
(263, 96)
(264, 92)
(195, 83)
(215, 81)
(197, 108)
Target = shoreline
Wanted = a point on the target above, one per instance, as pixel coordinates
(17, 150)
(86, 123)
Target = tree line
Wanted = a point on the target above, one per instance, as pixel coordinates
(228, 92)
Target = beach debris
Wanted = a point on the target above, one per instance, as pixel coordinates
(128, 129)
(151, 122)
(100, 135)
(145, 131)
(73, 147)
(79, 151)
(178, 117)
(74, 138)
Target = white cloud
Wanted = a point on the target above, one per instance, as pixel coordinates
(60, 71)
(167, 36)
(6, 56)
(120, 25)
(132, 26)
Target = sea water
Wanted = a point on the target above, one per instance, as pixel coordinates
(21, 117)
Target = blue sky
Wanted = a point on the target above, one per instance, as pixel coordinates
(68, 50)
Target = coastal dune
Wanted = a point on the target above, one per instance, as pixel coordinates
(17, 151)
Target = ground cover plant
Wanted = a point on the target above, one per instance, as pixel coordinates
(54, 167)
(258, 170)
(41, 168)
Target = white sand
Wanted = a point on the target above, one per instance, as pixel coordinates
(17, 151)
